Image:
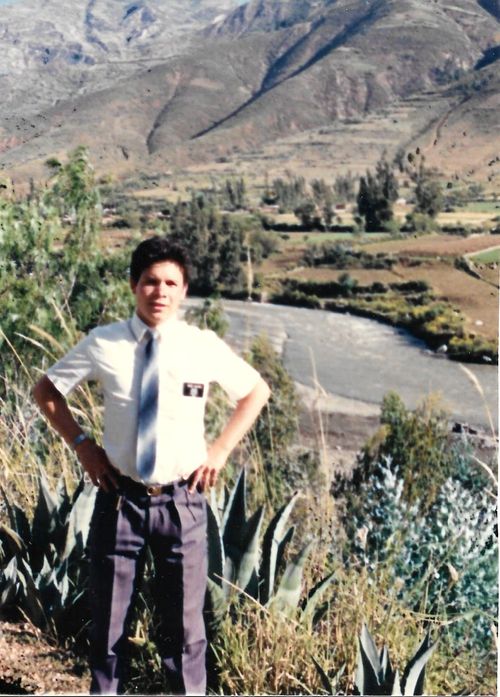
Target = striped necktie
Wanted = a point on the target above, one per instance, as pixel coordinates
(148, 409)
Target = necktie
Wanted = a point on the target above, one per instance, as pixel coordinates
(148, 409)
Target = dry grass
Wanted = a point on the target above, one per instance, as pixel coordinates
(263, 652)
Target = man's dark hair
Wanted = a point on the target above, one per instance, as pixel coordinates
(154, 250)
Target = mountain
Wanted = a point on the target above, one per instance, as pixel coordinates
(56, 49)
(265, 73)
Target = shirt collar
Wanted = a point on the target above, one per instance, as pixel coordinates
(139, 328)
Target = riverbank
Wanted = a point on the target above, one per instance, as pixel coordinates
(340, 427)
(410, 306)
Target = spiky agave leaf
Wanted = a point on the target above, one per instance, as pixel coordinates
(273, 538)
(287, 538)
(233, 528)
(29, 596)
(217, 603)
(234, 515)
(215, 548)
(216, 506)
(330, 685)
(64, 501)
(287, 596)
(413, 678)
(325, 680)
(53, 588)
(247, 578)
(45, 522)
(387, 674)
(311, 602)
(9, 583)
(80, 515)
(368, 671)
(396, 686)
(11, 541)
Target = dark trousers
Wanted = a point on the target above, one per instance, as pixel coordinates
(173, 525)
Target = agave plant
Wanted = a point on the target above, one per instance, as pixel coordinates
(43, 565)
(375, 675)
(374, 672)
(239, 560)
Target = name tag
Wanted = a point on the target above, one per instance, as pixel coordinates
(193, 389)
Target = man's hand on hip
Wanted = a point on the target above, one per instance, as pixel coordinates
(95, 462)
(205, 476)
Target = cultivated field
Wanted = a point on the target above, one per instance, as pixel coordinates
(476, 298)
(436, 245)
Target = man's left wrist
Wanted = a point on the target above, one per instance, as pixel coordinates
(80, 438)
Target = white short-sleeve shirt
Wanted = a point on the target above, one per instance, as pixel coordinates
(190, 359)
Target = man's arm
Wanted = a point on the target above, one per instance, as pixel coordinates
(92, 457)
(245, 413)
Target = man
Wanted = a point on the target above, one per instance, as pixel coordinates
(154, 465)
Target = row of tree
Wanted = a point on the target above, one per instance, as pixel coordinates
(377, 190)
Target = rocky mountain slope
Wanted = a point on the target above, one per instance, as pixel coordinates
(266, 71)
(54, 49)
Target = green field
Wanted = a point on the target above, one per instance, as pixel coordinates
(491, 256)
(481, 207)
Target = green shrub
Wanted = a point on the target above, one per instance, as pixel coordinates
(473, 349)
(418, 443)
(420, 223)
(296, 298)
(341, 256)
(443, 561)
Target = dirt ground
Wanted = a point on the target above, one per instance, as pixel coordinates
(31, 665)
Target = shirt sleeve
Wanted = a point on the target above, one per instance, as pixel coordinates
(230, 371)
(73, 368)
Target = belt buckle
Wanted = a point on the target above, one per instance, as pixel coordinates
(154, 490)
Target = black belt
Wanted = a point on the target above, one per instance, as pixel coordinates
(134, 488)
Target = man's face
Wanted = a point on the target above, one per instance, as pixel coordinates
(159, 292)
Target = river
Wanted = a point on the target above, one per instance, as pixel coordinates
(362, 359)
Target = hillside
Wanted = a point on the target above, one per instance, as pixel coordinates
(58, 49)
(266, 74)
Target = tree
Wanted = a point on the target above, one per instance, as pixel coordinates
(328, 213)
(306, 213)
(343, 187)
(428, 192)
(289, 192)
(429, 199)
(377, 192)
(214, 243)
(417, 445)
(429, 196)
(75, 192)
(234, 194)
(348, 283)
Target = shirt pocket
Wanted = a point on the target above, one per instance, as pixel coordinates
(184, 396)
(192, 391)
